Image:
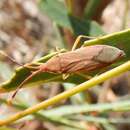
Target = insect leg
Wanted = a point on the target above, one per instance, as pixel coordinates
(84, 75)
(21, 85)
(65, 76)
(34, 66)
(78, 39)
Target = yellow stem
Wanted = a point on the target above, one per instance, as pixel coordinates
(70, 6)
(88, 84)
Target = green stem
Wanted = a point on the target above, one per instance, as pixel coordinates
(44, 117)
(104, 120)
(86, 85)
(113, 38)
(120, 106)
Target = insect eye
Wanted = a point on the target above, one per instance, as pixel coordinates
(110, 54)
(122, 54)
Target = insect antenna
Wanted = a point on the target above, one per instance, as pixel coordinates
(10, 58)
(37, 70)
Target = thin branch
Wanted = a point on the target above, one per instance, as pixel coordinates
(86, 85)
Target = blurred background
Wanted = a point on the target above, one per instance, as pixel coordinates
(30, 29)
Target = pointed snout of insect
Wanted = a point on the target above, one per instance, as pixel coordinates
(122, 54)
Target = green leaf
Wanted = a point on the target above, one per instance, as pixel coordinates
(91, 8)
(58, 13)
(85, 27)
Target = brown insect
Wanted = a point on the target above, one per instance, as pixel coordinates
(83, 59)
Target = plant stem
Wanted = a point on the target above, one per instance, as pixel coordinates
(43, 117)
(70, 6)
(86, 85)
(65, 110)
(113, 38)
(104, 120)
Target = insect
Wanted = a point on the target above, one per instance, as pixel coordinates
(87, 59)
